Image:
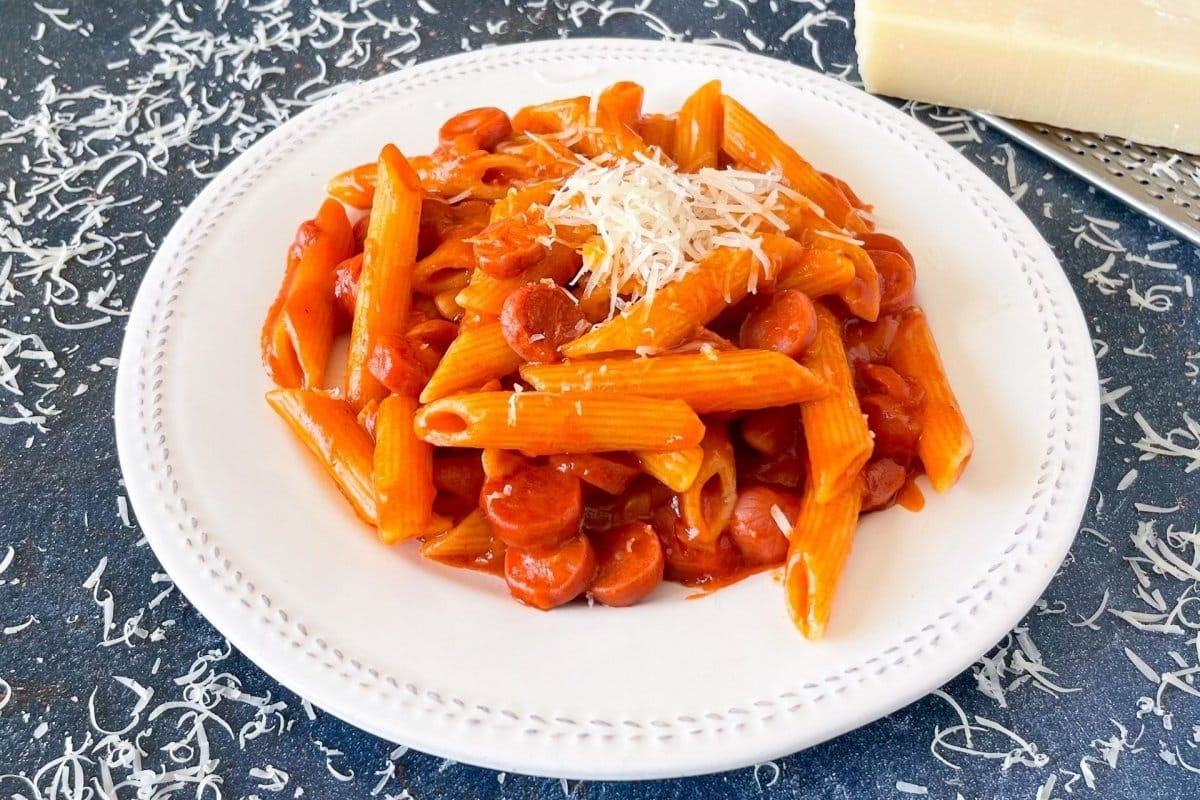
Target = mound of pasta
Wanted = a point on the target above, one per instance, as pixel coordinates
(591, 349)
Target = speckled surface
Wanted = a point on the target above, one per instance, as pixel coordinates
(1067, 685)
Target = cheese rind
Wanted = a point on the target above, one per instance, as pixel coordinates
(1128, 68)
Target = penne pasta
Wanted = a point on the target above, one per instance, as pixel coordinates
(487, 294)
(471, 543)
(446, 304)
(863, 293)
(706, 506)
(733, 380)
(558, 371)
(839, 442)
(658, 130)
(676, 310)
(548, 423)
(699, 129)
(817, 273)
(477, 175)
(745, 138)
(299, 331)
(384, 287)
(310, 310)
(946, 444)
(403, 475)
(355, 187)
(278, 356)
(567, 116)
(328, 427)
(612, 130)
(449, 265)
(818, 548)
(478, 354)
(620, 104)
(675, 469)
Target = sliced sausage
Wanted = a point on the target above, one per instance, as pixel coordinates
(896, 280)
(507, 248)
(459, 474)
(893, 409)
(755, 530)
(771, 431)
(630, 564)
(534, 507)
(539, 318)
(787, 324)
(884, 479)
(394, 363)
(609, 473)
(548, 578)
(869, 342)
(476, 129)
(695, 563)
(430, 339)
(345, 288)
(874, 240)
(787, 469)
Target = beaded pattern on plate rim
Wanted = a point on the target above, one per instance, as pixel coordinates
(226, 190)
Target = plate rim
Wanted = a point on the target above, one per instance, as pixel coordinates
(166, 522)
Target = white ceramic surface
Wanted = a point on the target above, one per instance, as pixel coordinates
(441, 659)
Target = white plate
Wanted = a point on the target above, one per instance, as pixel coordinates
(441, 659)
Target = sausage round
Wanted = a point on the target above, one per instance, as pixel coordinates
(345, 287)
(884, 479)
(548, 578)
(630, 564)
(394, 363)
(476, 129)
(754, 529)
(896, 280)
(787, 324)
(534, 507)
(695, 563)
(539, 318)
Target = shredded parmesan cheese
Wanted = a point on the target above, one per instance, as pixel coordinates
(653, 224)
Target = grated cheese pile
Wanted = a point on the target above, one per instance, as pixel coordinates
(653, 224)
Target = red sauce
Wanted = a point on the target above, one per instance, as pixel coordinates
(714, 583)
(491, 562)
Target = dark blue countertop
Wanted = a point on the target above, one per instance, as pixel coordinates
(1091, 697)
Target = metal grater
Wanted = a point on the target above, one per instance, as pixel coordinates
(1160, 183)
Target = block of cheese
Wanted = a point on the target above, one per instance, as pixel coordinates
(1129, 68)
